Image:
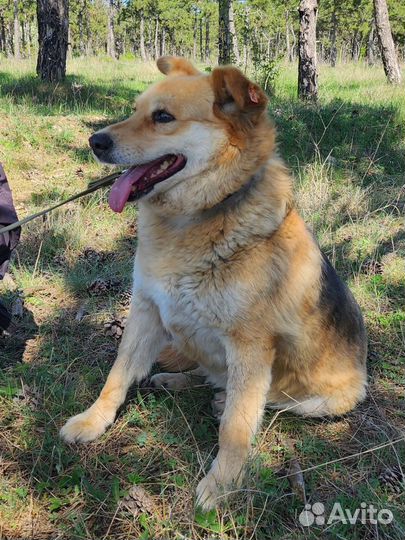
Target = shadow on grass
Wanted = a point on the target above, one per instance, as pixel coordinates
(367, 141)
(74, 95)
(13, 347)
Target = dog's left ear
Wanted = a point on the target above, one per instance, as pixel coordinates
(175, 65)
(236, 96)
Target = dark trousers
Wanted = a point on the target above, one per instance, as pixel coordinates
(8, 240)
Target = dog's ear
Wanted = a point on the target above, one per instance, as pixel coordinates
(236, 97)
(175, 65)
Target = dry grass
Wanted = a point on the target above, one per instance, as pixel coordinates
(348, 157)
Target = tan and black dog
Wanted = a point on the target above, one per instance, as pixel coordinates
(226, 272)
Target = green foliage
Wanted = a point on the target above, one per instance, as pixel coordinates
(265, 29)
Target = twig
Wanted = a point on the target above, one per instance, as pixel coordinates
(357, 454)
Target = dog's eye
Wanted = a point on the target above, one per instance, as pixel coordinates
(162, 117)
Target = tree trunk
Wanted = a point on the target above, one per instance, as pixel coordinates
(53, 25)
(3, 46)
(371, 45)
(277, 44)
(200, 29)
(232, 29)
(142, 38)
(294, 42)
(224, 33)
(30, 44)
(163, 42)
(17, 38)
(207, 38)
(69, 53)
(388, 54)
(10, 39)
(23, 36)
(333, 35)
(150, 40)
(307, 73)
(287, 35)
(195, 38)
(156, 46)
(111, 50)
(81, 32)
(356, 47)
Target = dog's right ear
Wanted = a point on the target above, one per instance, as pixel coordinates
(175, 65)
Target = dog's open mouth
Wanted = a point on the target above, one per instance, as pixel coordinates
(139, 180)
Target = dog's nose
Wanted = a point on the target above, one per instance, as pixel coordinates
(100, 143)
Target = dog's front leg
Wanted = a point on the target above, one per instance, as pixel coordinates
(141, 344)
(249, 378)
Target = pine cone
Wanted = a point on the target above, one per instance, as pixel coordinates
(102, 286)
(372, 267)
(138, 501)
(60, 260)
(95, 258)
(126, 297)
(393, 479)
(115, 328)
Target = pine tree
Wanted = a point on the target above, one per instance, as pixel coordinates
(53, 24)
(307, 73)
(388, 54)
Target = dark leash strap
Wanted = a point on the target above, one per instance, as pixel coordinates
(93, 186)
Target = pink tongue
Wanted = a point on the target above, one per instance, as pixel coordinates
(122, 187)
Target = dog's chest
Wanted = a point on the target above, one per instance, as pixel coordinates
(195, 313)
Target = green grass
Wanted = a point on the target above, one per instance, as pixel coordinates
(347, 155)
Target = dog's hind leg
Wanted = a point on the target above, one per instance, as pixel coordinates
(143, 340)
(318, 406)
(178, 381)
(218, 404)
(315, 406)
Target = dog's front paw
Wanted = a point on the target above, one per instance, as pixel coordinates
(86, 426)
(208, 491)
(226, 472)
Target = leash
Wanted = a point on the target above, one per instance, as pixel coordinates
(93, 186)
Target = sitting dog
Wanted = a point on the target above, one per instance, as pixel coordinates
(227, 275)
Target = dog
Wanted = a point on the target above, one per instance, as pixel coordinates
(228, 279)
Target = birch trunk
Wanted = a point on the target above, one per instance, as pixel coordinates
(224, 34)
(307, 72)
(17, 37)
(53, 25)
(142, 38)
(388, 53)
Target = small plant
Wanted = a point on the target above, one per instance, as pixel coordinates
(266, 72)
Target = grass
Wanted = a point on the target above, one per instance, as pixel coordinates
(347, 155)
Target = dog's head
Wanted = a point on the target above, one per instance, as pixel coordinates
(185, 143)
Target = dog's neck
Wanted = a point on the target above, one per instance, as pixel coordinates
(251, 213)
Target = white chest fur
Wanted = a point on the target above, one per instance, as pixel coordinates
(196, 316)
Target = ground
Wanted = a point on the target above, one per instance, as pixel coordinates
(347, 155)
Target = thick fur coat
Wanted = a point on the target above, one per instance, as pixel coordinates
(228, 279)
